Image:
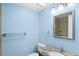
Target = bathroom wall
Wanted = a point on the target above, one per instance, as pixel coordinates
(46, 31)
(17, 19)
(0, 29)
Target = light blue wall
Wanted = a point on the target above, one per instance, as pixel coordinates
(46, 25)
(20, 20)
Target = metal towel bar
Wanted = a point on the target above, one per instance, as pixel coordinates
(13, 34)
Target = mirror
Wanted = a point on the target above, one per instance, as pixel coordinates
(64, 25)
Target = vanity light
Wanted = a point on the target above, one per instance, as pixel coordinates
(60, 7)
(70, 4)
(53, 11)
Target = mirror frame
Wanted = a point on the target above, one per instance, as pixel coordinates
(73, 25)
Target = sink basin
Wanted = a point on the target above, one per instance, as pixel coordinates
(55, 53)
(45, 52)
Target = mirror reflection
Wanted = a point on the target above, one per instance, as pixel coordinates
(63, 25)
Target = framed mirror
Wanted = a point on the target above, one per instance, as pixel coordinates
(64, 25)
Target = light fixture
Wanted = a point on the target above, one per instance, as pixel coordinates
(53, 11)
(70, 4)
(60, 7)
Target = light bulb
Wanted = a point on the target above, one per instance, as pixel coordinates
(53, 11)
(70, 4)
(60, 7)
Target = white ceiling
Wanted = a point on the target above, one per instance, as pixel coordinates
(34, 6)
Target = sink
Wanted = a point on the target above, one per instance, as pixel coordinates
(46, 52)
(55, 53)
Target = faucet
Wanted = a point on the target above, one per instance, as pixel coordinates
(61, 50)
